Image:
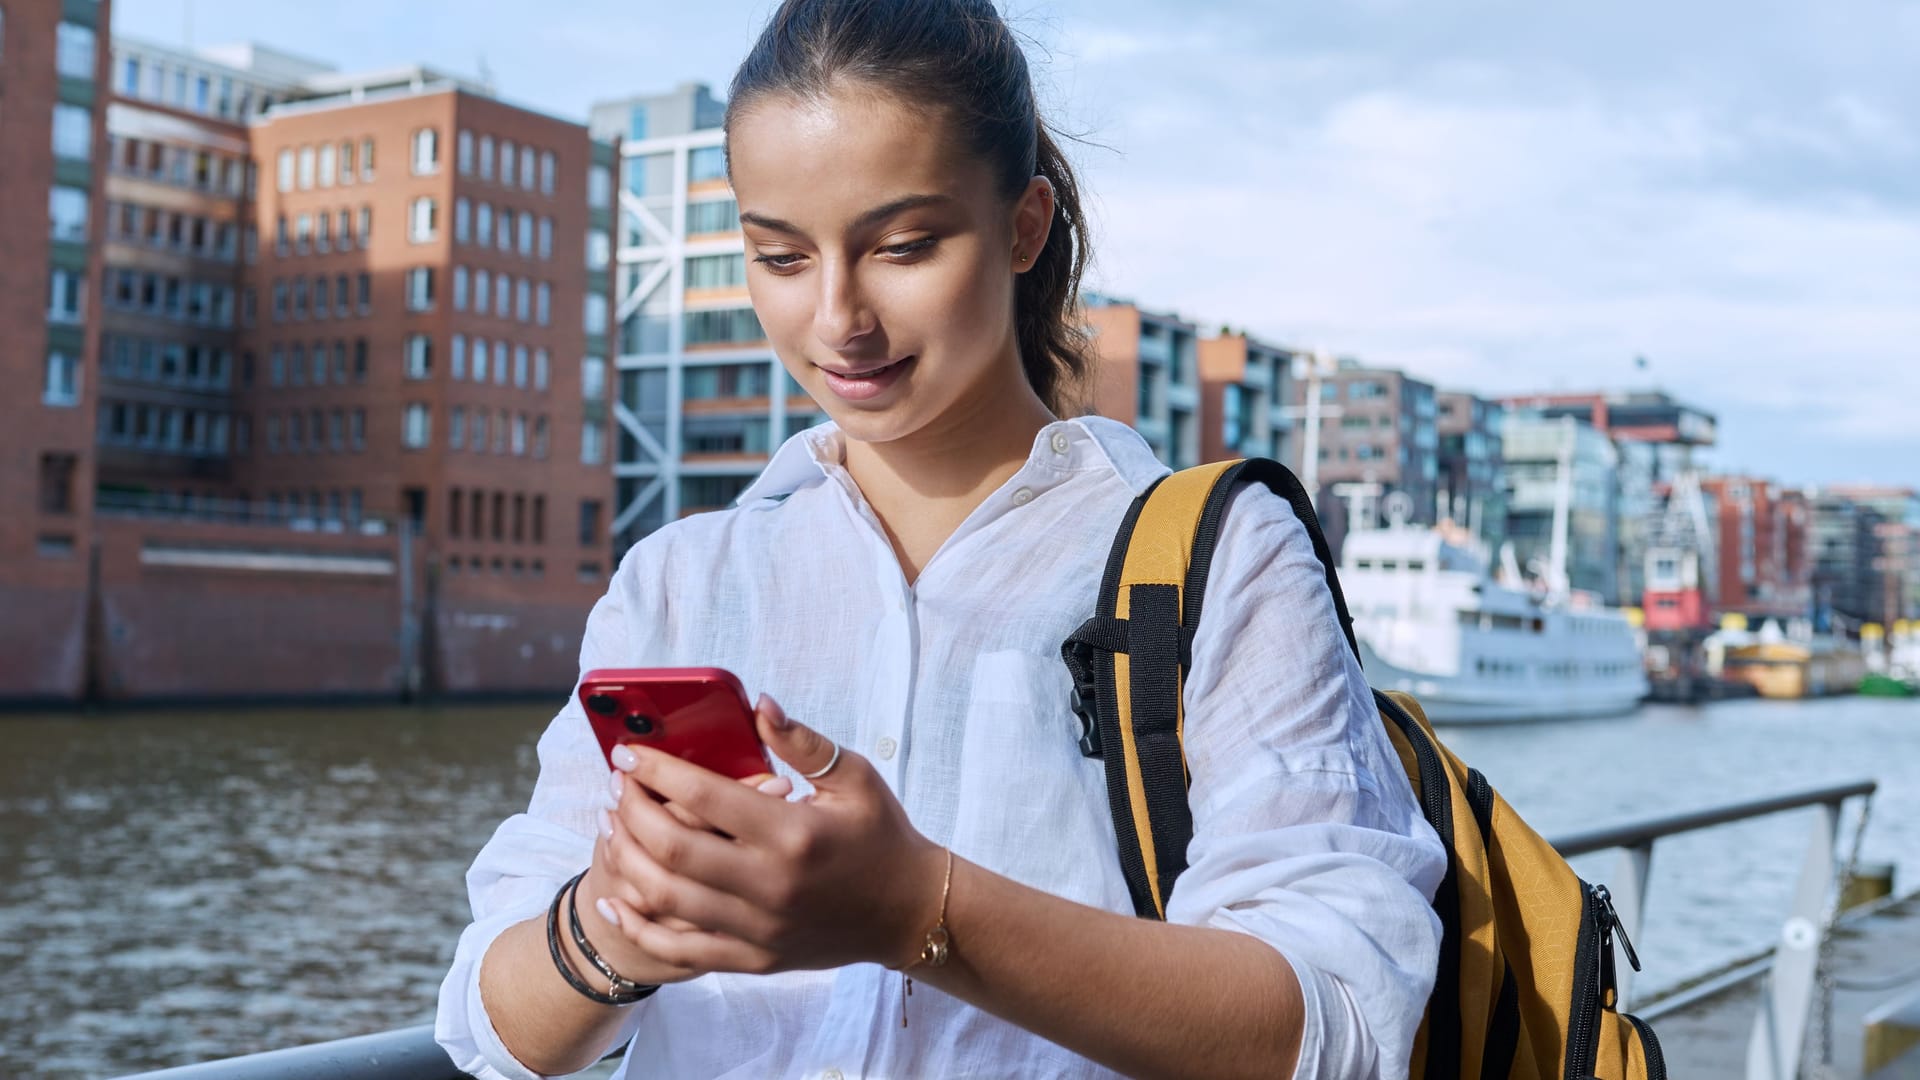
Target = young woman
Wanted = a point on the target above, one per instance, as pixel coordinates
(898, 583)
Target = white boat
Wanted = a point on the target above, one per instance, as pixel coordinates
(1432, 621)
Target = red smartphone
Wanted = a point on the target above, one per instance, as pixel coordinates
(700, 715)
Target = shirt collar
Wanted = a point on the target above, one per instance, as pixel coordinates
(1062, 447)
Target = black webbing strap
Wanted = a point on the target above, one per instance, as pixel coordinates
(1157, 638)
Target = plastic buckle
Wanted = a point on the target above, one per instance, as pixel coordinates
(1089, 724)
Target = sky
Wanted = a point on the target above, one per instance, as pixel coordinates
(1496, 197)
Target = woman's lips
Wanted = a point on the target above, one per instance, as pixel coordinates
(860, 386)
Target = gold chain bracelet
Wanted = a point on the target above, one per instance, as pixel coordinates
(935, 949)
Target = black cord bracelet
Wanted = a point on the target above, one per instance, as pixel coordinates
(617, 984)
(566, 969)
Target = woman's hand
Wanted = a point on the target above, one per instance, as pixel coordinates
(839, 878)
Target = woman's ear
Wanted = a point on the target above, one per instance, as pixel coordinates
(1032, 223)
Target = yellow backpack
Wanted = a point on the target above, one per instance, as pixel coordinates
(1525, 987)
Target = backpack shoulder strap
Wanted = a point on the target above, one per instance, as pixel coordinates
(1129, 661)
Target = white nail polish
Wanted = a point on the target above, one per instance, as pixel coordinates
(606, 825)
(606, 911)
(618, 785)
(623, 758)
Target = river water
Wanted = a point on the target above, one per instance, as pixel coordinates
(180, 886)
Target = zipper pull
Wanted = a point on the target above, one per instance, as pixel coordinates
(1611, 924)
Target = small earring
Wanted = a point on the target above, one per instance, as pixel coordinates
(1023, 258)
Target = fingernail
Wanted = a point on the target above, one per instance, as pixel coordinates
(775, 785)
(780, 721)
(606, 825)
(606, 911)
(624, 758)
(619, 786)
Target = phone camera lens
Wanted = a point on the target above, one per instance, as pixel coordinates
(601, 703)
(640, 723)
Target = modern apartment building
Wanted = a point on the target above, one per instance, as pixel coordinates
(53, 65)
(1244, 388)
(1148, 375)
(1473, 476)
(1379, 444)
(702, 400)
(1548, 458)
(1762, 533)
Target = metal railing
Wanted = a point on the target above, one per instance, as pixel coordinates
(1773, 1053)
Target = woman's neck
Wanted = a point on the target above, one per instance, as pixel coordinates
(923, 486)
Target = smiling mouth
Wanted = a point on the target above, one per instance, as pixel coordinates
(865, 373)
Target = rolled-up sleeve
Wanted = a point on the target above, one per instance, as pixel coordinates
(530, 855)
(1306, 832)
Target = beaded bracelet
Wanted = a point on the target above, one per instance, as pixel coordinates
(617, 995)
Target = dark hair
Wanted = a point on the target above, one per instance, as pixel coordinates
(957, 57)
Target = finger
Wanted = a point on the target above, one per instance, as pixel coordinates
(695, 854)
(702, 950)
(801, 747)
(725, 805)
(679, 903)
(612, 883)
(626, 919)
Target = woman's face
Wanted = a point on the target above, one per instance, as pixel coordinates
(881, 259)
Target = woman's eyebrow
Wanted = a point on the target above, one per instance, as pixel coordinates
(866, 219)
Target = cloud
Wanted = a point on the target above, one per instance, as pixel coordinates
(1504, 219)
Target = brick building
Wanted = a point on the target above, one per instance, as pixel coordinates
(1762, 534)
(1244, 395)
(1378, 428)
(1147, 374)
(1473, 477)
(53, 63)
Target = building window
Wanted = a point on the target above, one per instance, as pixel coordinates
(592, 443)
(66, 296)
(506, 162)
(424, 221)
(419, 356)
(716, 216)
(357, 429)
(306, 168)
(599, 249)
(457, 357)
(594, 318)
(366, 159)
(56, 482)
(589, 522)
(519, 440)
(480, 359)
(523, 300)
(463, 152)
(486, 157)
(546, 238)
(526, 168)
(459, 288)
(499, 363)
(543, 304)
(456, 439)
(62, 380)
(426, 152)
(417, 426)
(283, 171)
(479, 444)
(74, 54)
(483, 225)
(364, 289)
(72, 132)
(546, 172)
(326, 165)
(502, 295)
(725, 326)
(520, 366)
(482, 292)
(505, 235)
(462, 221)
(599, 187)
(716, 271)
(593, 378)
(67, 213)
(540, 366)
(707, 163)
(420, 289)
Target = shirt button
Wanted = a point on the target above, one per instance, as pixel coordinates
(887, 747)
(1023, 497)
(1061, 442)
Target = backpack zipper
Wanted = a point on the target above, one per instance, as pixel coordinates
(1594, 979)
(1650, 1044)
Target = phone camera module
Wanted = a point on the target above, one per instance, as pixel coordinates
(601, 703)
(640, 723)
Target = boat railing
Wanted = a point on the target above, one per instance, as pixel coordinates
(1778, 1034)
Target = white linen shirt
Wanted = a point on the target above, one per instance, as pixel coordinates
(1306, 832)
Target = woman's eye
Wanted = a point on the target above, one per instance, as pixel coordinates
(778, 262)
(911, 247)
